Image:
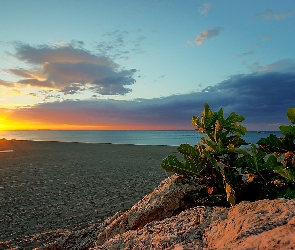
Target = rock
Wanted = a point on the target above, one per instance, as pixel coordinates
(166, 200)
(183, 231)
(265, 224)
(164, 219)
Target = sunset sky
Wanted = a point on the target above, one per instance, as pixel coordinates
(144, 64)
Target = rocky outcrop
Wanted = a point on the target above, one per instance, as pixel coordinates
(183, 231)
(167, 200)
(164, 219)
(265, 224)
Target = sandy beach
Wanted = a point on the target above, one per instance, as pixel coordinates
(49, 188)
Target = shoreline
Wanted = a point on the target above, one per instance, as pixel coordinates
(100, 143)
(166, 138)
(48, 187)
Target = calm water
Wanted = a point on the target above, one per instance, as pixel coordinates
(142, 137)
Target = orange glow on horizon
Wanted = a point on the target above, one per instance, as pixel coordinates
(50, 121)
(6, 124)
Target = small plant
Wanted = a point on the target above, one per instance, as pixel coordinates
(228, 173)
(283, 148)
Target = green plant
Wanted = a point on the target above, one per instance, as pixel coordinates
(228, 173)
(283, 148)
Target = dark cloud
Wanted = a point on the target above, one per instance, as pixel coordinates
(64, 66)
(262, 98)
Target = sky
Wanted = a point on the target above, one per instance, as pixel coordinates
(145, 64)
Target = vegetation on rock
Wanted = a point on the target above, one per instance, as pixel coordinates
(230, 174)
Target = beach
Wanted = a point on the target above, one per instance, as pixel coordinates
(50, 188)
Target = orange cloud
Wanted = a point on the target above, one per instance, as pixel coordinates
(205, 35)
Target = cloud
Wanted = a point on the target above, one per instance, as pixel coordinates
(68, 69)
(116, 42)
(284, 65)
(251, 52)
(262, 97)
(269, 14)
(6, 83)
(265, 38)
(207, 34)
(204, 9)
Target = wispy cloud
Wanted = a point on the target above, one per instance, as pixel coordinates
(207, 34)
(269, 14)
(262, 97)
(251, 52)
(204, 9)
(115, 44)
(284, 65)
(69, 68)
(265, 38)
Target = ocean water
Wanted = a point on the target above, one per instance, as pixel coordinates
(136, 137)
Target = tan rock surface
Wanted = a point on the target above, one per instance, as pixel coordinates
(165, 201)
(266, 224)
(183, 231)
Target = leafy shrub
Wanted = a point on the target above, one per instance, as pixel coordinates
(283, 148)
(230, 174)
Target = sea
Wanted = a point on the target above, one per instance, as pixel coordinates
(135, 137)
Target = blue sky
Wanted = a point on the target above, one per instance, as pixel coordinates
(145, 64)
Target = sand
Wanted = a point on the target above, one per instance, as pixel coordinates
(49, 188)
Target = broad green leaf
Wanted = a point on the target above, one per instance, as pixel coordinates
(287, 130)
(172, 164)
(291, 115)
(212, 145)
(272, 144)
(220, 117)
(255, 160)
(270, 164)
(233, 118)
(187, 149)
(240, 130)
(236, 141)
(211, 159)
(289, 173)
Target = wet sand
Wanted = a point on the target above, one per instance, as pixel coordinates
(49, 188)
